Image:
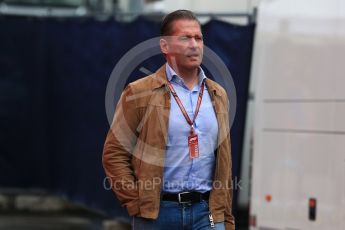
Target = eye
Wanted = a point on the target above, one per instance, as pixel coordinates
(186, 38)
(199, 38)
(183, 38)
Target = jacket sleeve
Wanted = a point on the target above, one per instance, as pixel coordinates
(229, 218)
(117, 152)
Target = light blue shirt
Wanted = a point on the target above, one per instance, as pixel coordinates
(180, 172)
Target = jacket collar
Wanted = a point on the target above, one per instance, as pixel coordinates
(160, 80)
(213, 87)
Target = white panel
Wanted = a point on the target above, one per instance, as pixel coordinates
(328, 116)
(215, 6)
(296, 61)
(301, 49)
(299, 167)
(171, 5)
(220, 5)
(299, 141)
(314, 165)
(267, 179)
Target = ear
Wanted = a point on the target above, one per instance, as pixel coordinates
(164, 45)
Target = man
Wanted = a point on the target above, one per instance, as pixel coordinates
(167, 154)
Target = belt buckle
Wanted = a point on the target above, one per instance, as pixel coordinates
(179, 197)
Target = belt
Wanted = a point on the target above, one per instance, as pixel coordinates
(186, 197)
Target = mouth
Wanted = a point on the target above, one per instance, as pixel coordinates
(193, 55)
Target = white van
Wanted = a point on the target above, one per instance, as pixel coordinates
(298, 161)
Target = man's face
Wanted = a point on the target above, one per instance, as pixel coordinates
(184, 48)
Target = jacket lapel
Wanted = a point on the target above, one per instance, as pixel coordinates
(161, 100)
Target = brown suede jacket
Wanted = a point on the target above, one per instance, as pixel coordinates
(134, 150)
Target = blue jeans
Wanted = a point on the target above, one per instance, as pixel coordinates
(175, 216)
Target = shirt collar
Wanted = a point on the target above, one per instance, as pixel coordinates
(171, 74)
